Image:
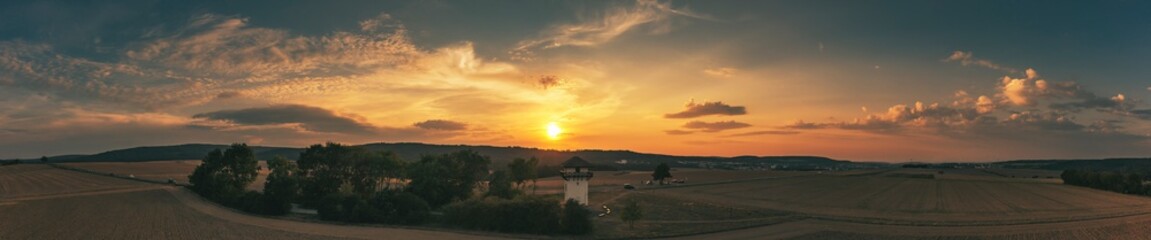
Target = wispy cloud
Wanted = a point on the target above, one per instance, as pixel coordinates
(764, 132)
(968, 59)
(714, 126)
(724, 72)
(644, 15)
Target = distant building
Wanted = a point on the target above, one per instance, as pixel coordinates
(576, 174)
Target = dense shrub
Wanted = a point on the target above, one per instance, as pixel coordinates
(390, 207)
(523, 214)
(576, 218)
(1130, 183)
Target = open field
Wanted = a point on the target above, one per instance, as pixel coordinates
(610, 180)
(33, 180)
(898, 199)
(720, 204)
(161, 170)
(42, 202)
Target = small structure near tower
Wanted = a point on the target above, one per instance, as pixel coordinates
(576, 174)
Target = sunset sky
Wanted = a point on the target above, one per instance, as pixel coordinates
(856, 80)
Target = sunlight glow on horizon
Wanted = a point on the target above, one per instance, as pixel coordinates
(554, 131)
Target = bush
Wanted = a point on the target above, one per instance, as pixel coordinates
(576, 218)
(390, 207)
(524, 214)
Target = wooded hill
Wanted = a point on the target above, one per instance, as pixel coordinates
(499, 155)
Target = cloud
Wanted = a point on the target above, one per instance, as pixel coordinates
(800, 124)
(678, 132)
(442, 125)
(724, 72)
(967, 59)
(765, 132)
(707, 108)
(309, 118)
(715, 126)
(652, 16)
(548, 81)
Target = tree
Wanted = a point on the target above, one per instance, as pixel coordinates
(446, 178)
(224, 175)
(328, 169)
(43, 158)
(631, 212)
(500, 186)
(522, 170)
(661, 172)
(282, 186)
(576, 220)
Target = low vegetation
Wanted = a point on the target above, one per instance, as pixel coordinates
(1129, 183)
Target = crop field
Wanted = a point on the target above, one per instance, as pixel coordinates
(605, 180)
(42, 202)
(893, 198)
(903, 204)
(32, 180)
(712, 204)
(151, 214)
(161, 170)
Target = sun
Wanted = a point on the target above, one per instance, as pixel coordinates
(554, 130)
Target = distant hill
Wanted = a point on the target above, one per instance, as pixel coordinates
(499, 155)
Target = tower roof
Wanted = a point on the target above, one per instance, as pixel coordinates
(576, 162)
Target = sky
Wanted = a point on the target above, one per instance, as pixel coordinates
(895, 81)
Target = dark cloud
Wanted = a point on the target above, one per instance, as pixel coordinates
(443, 125)
(228, 94)
(549, 81)
(766, 132)
(707, 108)
(310, 118)
(1141, 113)
(715, 126)
(678, 132)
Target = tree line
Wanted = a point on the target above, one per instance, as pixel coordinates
(1128, 183)
(350, 184)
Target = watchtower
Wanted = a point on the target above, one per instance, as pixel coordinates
(576, 174)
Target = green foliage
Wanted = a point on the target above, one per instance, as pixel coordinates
(631, 212)
(390, 207)
(222, 176)
(281, 188)
(522, 170)
(334, 168)
(439, 180)
(1131, 183)
(524, 214)
(501, 186)
(661, 172)
(576, 219)
(43, 158)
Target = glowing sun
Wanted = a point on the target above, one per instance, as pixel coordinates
(554, 130)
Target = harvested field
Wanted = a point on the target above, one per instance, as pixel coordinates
(32, 180)
(161, 170)
(607, 180)
(79, 206)
(920, 201)
(137, 215)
